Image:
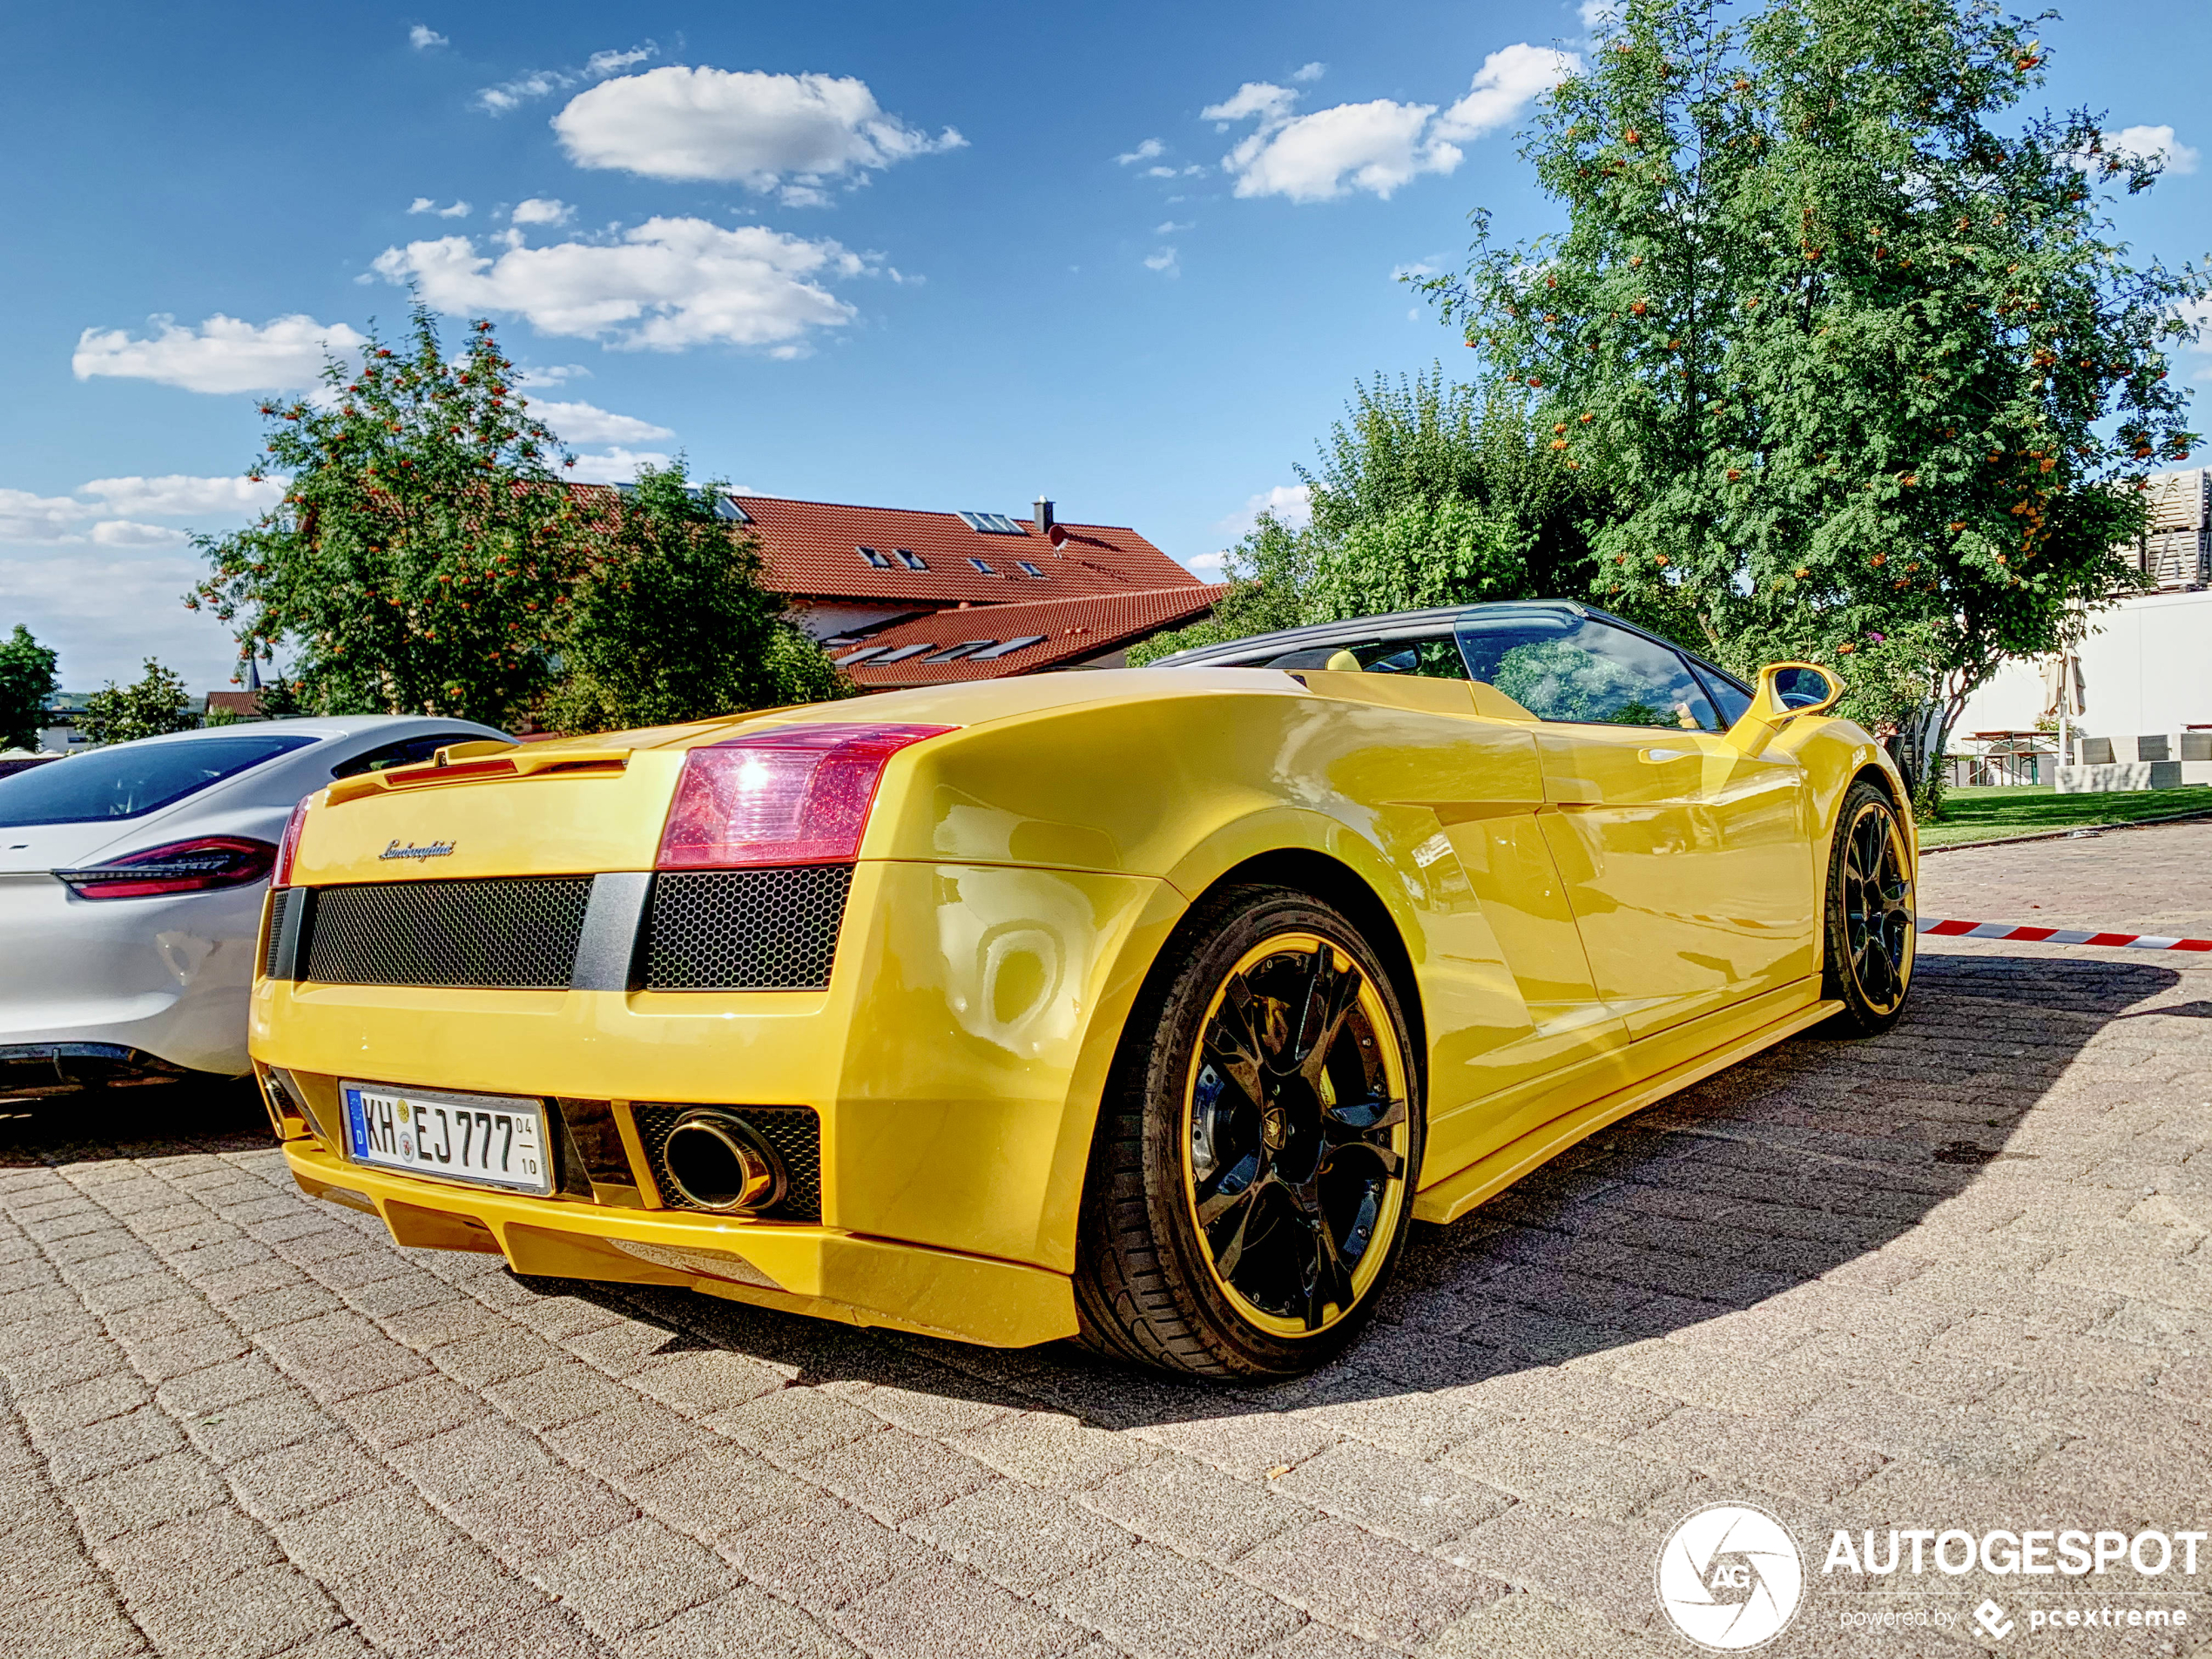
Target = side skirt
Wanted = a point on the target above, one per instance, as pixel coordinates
(1454, 1196)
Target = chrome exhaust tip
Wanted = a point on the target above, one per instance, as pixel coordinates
(719, 1163)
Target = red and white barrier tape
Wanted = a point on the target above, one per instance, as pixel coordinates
(2056, 935)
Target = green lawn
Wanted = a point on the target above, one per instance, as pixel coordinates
(1987, 814)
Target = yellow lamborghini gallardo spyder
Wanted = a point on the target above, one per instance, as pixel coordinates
(1149, 1007)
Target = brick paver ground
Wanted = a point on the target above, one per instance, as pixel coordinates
(1954, 1278)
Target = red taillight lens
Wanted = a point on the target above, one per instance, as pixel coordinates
(288, 848)
(799, 794)
(181, 866)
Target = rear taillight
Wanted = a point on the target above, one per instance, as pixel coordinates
(288, 847)
(799, 794)
(181, 866)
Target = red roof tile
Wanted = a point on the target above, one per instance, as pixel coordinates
(811, 550)
(1071, 629)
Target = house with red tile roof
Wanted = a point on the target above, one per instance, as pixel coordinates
(912, 597)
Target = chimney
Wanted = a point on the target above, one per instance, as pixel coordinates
(1045, 516)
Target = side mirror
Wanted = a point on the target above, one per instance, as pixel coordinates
(1786, 689)
(1799, 688)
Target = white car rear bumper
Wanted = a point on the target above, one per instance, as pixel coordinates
(168, 978)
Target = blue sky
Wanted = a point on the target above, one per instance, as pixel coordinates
(1130, 256)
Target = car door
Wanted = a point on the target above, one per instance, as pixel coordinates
(1685, 860)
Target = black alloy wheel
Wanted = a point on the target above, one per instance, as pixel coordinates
(1254, 1173)
(1868, 964)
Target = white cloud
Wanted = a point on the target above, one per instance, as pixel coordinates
(1292, 504)
(542, 210)
(663, 285)
(424, 205)
(1306, 72)
(422, 38)
(541, 82)
(222, 355)
(106, 610)
(1380, 146)
(1162, 260)
(1270, 103)
(588, 424)
(1143, 152)
(613, 62)
(121, 532)
(40, 520)
(740, 126)
(1509, 80)
(2152, 144)
(175, 494)
(1376, 146)
(50, 520)
(616, 466)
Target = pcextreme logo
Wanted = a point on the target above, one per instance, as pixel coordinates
(1730, 1577)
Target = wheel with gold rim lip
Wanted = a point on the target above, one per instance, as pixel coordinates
(1254, 1174)
(1868, 959)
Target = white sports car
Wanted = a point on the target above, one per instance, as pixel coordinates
(130, 887)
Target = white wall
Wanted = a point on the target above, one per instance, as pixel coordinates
(2148, 668)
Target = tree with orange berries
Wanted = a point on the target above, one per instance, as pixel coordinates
(424, 556)
(1848, 337)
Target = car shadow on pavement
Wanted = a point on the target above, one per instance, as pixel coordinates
(1786, 1174)
(1792, 1169)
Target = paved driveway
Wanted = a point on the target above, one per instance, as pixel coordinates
(1955, 1278)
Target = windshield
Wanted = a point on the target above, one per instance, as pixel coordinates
(130, 779)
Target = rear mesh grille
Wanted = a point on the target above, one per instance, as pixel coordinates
(509, 933)
(279, 910)
(745, 930)
(794, 1131)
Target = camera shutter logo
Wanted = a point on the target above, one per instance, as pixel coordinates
(1730, 1577)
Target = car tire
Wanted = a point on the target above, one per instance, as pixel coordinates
(1303, 1171)
(1867, 910)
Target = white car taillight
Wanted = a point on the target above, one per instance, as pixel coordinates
(797, 794)
(198, 865)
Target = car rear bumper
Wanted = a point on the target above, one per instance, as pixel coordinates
(953, 1067)
(819, 1270)
(166, 979)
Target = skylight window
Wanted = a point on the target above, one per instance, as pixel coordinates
(1006, 647)
(902, 653)
(874, 558)
(1028, 568)
(912, 561)
(993, 523)
(984, 566)
(953, 653)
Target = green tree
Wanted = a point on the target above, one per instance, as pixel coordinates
(424, 558)
(1432, 493)
(670, 623)
(1845, 337)
(27, 685)
(1426, 493)
(156, 702)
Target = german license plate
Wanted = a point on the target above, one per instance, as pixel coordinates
(493, 1140)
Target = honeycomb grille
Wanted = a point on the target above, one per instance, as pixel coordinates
(794, 1131)
(745, 930)
(509, 933)
(279, 909)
